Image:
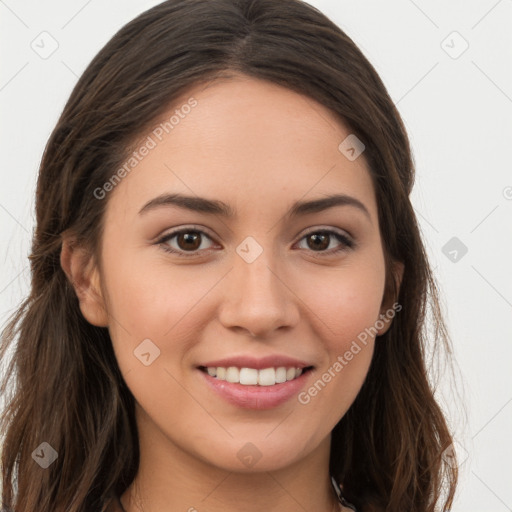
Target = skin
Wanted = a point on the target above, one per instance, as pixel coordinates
(241, 144)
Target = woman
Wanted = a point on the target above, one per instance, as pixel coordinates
(277, 362)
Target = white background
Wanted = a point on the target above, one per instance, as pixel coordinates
(458, 113)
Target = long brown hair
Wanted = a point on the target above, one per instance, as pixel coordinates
(67, 389)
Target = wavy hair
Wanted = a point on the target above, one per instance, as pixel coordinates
(63, 384)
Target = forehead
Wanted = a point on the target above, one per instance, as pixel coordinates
(247, 142)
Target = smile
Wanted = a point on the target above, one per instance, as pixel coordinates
(254, 377)
(262, 389)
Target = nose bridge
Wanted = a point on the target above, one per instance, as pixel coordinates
(257, 298)
(256, 271)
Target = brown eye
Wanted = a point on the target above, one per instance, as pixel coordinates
(320, 240)
(185, 242)
(189, 240)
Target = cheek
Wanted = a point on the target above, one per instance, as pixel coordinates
(344, 306)
(345, 301)
(151, 298)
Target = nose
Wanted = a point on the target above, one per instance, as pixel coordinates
(257, 299)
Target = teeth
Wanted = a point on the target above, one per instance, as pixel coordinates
(253, 377)
(280, 375)
(248, 376)
(233, 374)
(267, 377)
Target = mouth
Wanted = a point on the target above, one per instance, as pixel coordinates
(256, 389)
(272, 376)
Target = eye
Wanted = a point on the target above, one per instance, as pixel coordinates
(320, 240)
(188, 240)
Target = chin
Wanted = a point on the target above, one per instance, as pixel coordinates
(257, 453)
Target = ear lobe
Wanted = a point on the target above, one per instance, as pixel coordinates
(389, 307)
(79, 267)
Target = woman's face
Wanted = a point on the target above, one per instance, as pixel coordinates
(269, 284)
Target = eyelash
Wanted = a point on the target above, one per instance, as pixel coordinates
(346, 242)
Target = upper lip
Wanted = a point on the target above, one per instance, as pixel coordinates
(257, 363)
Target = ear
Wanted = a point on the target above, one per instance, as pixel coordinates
(79, 266)
(389, 306)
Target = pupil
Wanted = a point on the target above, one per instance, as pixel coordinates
(321, 245)
(190, 238)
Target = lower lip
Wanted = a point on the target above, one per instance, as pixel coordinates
(256, 397)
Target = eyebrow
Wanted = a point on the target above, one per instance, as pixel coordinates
(216, 207)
